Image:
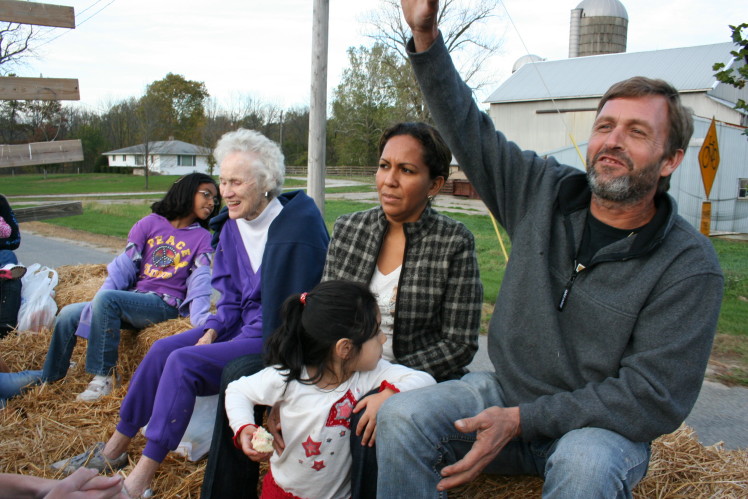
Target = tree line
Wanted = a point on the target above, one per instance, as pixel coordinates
(377, 89)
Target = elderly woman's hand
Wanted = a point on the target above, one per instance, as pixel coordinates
(208, 338)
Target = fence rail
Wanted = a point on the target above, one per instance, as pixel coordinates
(347, 171)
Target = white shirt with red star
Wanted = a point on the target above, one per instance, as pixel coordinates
(316, 423)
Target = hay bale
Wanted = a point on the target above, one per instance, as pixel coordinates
(78, 283)
(680, 467)
(47, 424)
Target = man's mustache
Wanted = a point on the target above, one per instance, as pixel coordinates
(616, 155)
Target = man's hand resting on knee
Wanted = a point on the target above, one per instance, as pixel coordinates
(494, 428)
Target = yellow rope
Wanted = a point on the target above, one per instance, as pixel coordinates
(498, 235)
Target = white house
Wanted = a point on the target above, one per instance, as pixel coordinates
(165, 157)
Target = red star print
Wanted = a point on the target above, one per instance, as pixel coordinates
(340, 412)
(311, 447)
(318, 465)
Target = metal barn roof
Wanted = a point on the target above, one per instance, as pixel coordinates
(164, 147)
(687, 69)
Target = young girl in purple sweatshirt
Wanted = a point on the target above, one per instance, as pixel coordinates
(163, 272)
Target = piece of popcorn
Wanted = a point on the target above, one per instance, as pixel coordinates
(262, 441)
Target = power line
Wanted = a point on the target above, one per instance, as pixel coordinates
(80, 23)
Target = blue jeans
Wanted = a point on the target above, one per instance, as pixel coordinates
(416, 438)
(12, 383)
(110, 308)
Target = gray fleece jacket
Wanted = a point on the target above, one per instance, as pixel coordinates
(629, 348)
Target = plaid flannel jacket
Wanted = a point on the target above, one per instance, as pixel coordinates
(437, 314)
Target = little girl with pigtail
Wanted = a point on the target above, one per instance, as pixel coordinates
(324, 358)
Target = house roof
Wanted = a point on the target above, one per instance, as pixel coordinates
(164, 147)
(688, 69)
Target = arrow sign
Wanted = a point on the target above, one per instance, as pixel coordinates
(709, 158)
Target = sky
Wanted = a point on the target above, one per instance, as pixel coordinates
(262, 48)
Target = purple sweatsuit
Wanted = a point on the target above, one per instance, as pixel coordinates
(185, 370)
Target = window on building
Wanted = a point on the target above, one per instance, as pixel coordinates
(139, 159)
(124, 158)
(743, 188)
(185, 160)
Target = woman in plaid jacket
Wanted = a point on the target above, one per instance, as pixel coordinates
(420, 265)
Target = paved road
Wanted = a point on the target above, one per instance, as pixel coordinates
(54, 252)
(720, 414)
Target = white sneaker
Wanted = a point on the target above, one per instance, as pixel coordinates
(97, 388)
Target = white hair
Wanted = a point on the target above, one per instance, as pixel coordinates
(267, 159)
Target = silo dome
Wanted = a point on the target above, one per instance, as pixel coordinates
(603, 8)
(598, 27)
(526, 59)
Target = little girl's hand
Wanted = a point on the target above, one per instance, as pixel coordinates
(367, 425)
(245, 439)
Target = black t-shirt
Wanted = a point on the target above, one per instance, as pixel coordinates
(598, 235)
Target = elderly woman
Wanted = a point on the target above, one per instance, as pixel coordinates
(271, 245)
(422, 267)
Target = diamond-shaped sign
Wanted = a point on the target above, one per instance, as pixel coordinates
(709, 158)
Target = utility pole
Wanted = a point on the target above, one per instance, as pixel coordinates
(318, 105)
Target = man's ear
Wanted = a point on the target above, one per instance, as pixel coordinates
(669, 165)
(343, 348)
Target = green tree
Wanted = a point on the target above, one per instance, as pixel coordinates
(119, 123)
(47, 120)
(179, 105)
(737, 74)
(365, 102)
(150, 114)
(89, 128)
(463, 24)
(13, 130)
(294, 135)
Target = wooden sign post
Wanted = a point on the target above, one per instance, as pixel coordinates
(709, 162)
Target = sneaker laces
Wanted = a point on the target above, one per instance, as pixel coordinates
(99, 383)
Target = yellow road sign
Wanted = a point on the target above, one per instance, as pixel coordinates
(709, 158)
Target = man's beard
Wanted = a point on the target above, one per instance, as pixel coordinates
(628, 188)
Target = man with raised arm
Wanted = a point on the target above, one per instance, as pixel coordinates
(604, 323)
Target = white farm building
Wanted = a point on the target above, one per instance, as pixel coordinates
(550, 106)
(165, 157)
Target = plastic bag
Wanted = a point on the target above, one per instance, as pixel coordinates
(196, 440)
(38, 307)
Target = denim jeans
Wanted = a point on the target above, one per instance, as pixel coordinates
(110, 308)
(416, 438)
(12, 383)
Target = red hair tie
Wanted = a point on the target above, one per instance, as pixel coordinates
(302, 298)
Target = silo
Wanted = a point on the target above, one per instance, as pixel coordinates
(602, 28)
(576, 19)
(526, 59)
